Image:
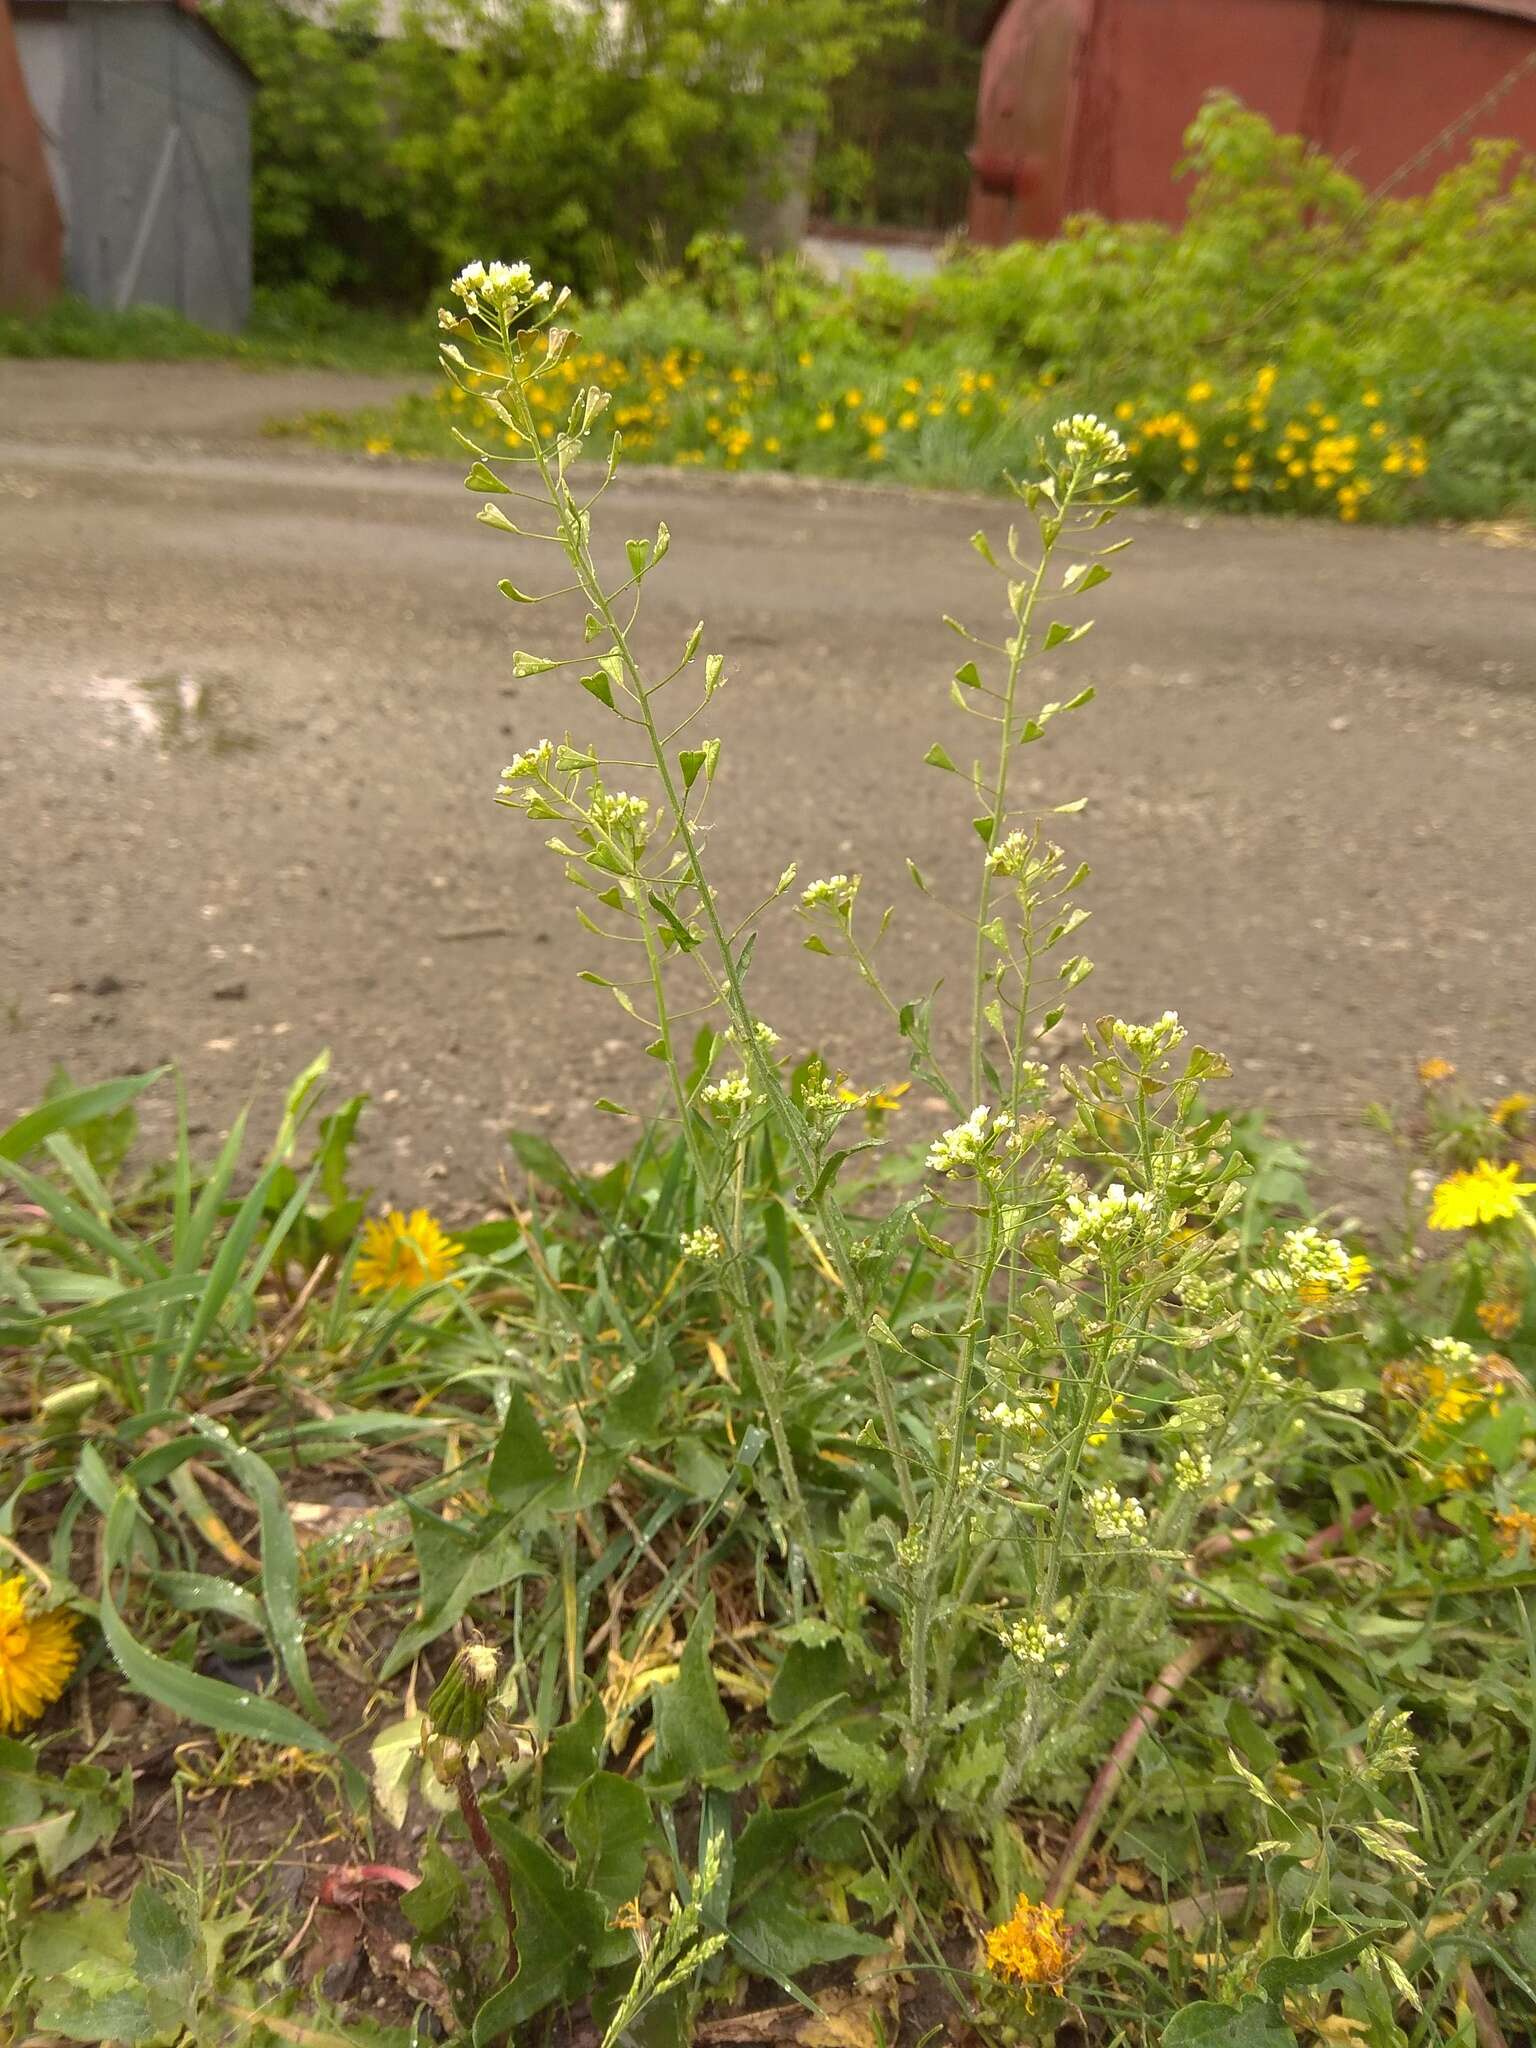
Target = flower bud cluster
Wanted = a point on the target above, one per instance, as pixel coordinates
(1115, 1221)
(1147, 1042)
(620, 815)
(1034, 1642)
(967, 1147)
(1192, 1471)
(727, 1098)
(524, 767)
(705, 1246)
(1310, 1268)
(835, 893)
(497, 288)
(1087, 438)
(1116, 1517)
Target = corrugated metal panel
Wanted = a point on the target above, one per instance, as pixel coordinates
(148, 115)
(1084, 104)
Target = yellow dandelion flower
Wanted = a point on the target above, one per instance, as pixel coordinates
(825, 422)
(1377, 430)
(986, 381)
(400, 1255)
(1393, 462)
(1512, 1526)
(377, 444)
(1125, 410)
(912, 386)
(1032, 1948)
(1316, 408)
(1486, 1194)
(1199, 391)
(1434, 1069)
(1499, 1316)
(1510, 1108)
(1417, 465)
(874, 425)
(1284, 452)
(37, 1655)
(906, 420)
(936, 407)
(1295, 469)
(876, 451)
(1264, 383)
(1190, 466)
(1371, 398)
(771, 444)
(1047, 378)
(965, 408)
(853, 400)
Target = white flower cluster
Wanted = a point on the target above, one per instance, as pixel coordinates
(619, 814)
(962, 1149)
(1116, 1517)
(705, 1245)
(1113, 1221)
(1309, 1265)
(728, 1098)
(1087, 438)
(1454, 1355)
(1150, 1041)
(1034, 1642)
(1192, 1471)
(836, 892)
(1026, 1418)
(764, 1035)
(497, 287)
(1011, 855)
(532, 761)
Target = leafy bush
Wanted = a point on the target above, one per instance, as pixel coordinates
(595, 137)
(1295, 345)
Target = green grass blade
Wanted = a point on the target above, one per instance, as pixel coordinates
(79, 1106)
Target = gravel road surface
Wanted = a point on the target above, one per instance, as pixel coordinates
(256, 699)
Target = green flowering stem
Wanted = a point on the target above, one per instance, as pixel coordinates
(574, 531)
(1018, 651)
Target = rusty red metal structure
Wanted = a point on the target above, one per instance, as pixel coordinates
(1084, 103)
(31, 228)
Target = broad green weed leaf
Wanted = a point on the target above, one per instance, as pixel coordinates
(693, 1735)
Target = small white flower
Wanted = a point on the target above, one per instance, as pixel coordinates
(1151, 1041)
(728, 1097)
(963, 1148)
(618, 814)
(764, 1035)
(531, 762)
(1087, 438)
(1113, 1221)
(1454, 1355)
(835, 893)
(705, 1245)
(1011, 855)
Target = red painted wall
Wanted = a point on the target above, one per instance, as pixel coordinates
(31, 231)
(1084, 103)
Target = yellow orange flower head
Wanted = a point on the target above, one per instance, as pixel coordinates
(1499, 1317)
(1031, 1948)
(1485, 1194)
(1434, 1069)
(37, 1655)
(398, 1255)
(1510, 1108)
